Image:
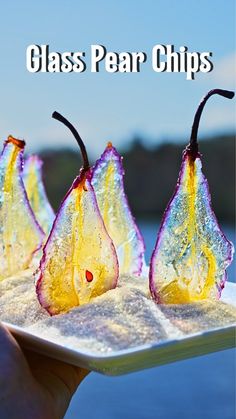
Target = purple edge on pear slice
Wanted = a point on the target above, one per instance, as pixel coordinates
(191, 151)
(20, 164)
(85, 173)
(110, 149)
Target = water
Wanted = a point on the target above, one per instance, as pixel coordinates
(202, 387)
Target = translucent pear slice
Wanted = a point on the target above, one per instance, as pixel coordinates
(20, 234)
(191, 254)
(32, 176)
(79, 260)
(108, 183)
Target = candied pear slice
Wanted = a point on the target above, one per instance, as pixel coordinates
(108, 183)
(20, 234)
(79, 259)
(33, 181)
(191, 254)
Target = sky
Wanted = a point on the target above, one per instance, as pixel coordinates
(111, 106)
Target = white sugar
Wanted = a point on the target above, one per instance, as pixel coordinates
(122, 318)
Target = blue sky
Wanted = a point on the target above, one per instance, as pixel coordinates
(108, 106)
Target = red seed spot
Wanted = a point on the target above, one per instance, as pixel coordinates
(89, 276)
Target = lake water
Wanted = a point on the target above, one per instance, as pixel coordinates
(198, 388)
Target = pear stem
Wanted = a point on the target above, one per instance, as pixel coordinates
(59, 117)
(193, 144)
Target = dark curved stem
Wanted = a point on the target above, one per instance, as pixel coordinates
(193, 145)
(59, 117)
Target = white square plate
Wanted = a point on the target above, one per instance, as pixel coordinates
(139, 357)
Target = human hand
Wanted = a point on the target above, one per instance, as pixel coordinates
(33, 386)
